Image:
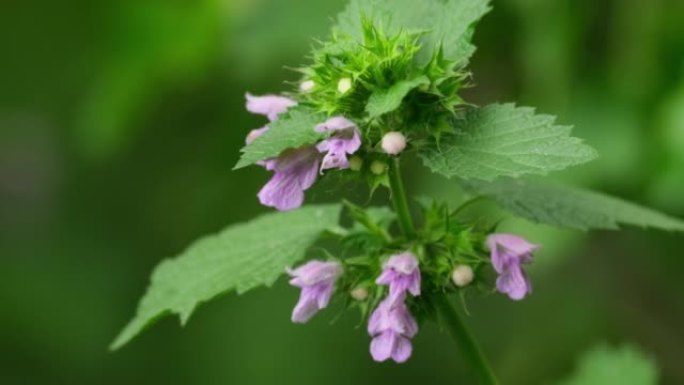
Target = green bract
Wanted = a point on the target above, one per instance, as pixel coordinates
(371, 65)
(389, 87)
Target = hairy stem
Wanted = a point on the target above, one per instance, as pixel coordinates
(399, 199)
(459, 331)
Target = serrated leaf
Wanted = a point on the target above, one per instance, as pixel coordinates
(569, 206)
(293, 129)
(605, 365)
(384, 101)
(505, 140)
(446, 22)
(241, 257)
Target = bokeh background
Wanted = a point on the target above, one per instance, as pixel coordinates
(120, 122)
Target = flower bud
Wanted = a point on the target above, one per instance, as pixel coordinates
(307, 85)
(355, 163)
(462, 275)
(393, 143)
(378, 167)
(344, 85)
(359, 293)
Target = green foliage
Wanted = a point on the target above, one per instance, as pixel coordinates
(241, 257)
(388, 100)
(448, 243)
(394, 65)
(605, 365)
(293, 129)
(505, 140)
(446, 23)
(404, 73)
(370, 232)
(570, 207)
(375, 219)
(376, 63)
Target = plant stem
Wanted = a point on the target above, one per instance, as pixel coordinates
(399, 199)
(459, 331)
(451, 318)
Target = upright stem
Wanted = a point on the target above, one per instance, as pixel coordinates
(459, 331)
(452, 320)
(399, 199)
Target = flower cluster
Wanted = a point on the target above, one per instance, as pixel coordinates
(348, 85)
(391, 324)
(296, 170)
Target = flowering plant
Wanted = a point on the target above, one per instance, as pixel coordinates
(384, 89)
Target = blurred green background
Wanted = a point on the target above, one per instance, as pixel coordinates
(120, 122)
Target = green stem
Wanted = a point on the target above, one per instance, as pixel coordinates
(399, 199)
(459, 331)
(451, 318)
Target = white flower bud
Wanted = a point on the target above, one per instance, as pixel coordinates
(355, 163)
(360, 293)
(393, 143)
(378, 167)
(307, 85)
(344, 85)
(462, 275)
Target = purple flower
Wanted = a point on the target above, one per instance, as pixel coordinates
(295, 171)
(317, 281)
(392, 327)
(401, 273)
(345, 140)
(269, 105)
(508, 253)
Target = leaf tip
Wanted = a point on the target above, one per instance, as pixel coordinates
(185, 314)
(240, 164)
(124, 337)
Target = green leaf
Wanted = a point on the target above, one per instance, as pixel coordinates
(505, 140)
(293, 129)
(241, 257)
(377, 219)
(605, 365)
(570, 207)
(446, 22)
(384, 101)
